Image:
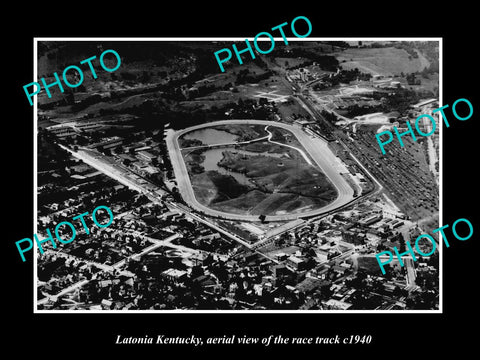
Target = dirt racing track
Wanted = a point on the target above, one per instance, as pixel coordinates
(316, 147)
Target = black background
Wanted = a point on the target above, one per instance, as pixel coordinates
(60, 335)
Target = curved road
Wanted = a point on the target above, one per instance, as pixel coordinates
(316, 147)
(305, 157)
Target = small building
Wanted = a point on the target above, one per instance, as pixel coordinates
(398, 224)
(106, 304)
(146, 155)
(175, 275)
(296, 263)
(423, 103)
(339, 269)
(199, 258)
(336, 304)
(371, 220)
(322, 255)
(279, 270)
(142, 148)
(150, 170)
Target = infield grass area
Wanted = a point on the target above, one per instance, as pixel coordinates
(269, 177)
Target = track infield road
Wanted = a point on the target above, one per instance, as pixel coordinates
(316, 147)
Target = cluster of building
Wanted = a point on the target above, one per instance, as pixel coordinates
(304, 74)
(323, 264)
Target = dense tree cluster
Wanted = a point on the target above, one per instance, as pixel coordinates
(342, 77)
(244, 76)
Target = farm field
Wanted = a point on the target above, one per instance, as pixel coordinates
(387, 61)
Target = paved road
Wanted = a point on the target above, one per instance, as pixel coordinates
(305, 157)
(168, 243)
(316, 147)
(410, 270)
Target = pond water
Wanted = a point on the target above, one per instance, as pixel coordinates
(213, 157)
(211, 136)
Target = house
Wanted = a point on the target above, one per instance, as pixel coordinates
(371, 220)
(175, 275)
(146, 155)
(322, 255)
(339, 269)
(336, 304)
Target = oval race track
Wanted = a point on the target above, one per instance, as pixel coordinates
(315, 146)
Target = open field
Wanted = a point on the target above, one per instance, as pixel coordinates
(272, 89)
(314, 187)
(380, 61)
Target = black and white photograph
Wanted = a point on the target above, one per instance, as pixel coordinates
(262, 187)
